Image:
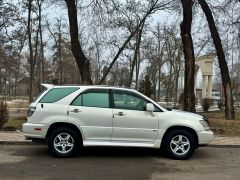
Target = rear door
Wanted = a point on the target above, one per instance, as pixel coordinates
(91, 109)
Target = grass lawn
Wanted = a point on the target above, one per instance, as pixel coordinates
(221, 126)
(16, 123)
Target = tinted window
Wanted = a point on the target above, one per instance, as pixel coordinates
(44, 89)
(56, 94)
(77, 101)
(125, 100)
(92, 99)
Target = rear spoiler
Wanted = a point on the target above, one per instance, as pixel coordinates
(48, 86)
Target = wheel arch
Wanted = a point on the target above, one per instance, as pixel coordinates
(171, 128)
(64, 124)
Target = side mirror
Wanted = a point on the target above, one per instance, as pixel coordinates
(149, 107)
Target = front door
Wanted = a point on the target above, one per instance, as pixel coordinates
(91, 109)
(131, 123)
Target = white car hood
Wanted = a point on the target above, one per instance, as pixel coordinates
(185, 115)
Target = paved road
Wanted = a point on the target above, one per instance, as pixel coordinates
(34, 162)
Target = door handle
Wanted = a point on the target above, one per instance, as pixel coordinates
(119, 114)
(76, 111)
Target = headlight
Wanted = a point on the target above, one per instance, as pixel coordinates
(205, 119)
(204, 124)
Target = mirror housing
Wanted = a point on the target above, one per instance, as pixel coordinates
(149, 107)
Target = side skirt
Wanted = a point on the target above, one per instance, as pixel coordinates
(155, 144)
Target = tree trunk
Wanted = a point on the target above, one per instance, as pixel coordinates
(226, 82)
(82, 62)
(189, 97)
(36, 60)
(30, 51)
(168, 85)
(137, 47)
(177, 67)
(137, 70)
(59, 44)
(42, 78)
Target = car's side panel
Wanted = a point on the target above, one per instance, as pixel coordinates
(47, 114)
(134, 126)
(96, 123)
(170, 119)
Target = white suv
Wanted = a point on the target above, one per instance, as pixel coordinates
(69, 117)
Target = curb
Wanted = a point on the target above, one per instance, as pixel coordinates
(223, 146)
(16, 142)
(29, 142)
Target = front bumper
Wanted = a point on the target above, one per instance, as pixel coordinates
(205, 137)
(31, 130)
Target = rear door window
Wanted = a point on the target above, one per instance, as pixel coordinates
(56, 94)
(93, 98)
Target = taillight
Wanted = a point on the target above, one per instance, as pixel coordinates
(30, 111)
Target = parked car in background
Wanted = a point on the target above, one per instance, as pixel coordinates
(216, 96)
(69, 117)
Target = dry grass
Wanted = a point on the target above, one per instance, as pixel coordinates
(16, 123)
(18, 105)
(221, 126)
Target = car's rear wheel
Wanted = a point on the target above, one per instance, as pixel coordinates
(179, 144)
(63, 142)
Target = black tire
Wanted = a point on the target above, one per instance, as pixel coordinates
(176, 144)
(70, 142)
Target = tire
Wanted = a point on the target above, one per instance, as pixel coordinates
(179, 144)
(63, 142)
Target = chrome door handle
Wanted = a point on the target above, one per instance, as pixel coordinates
(76, 111)
(120, 114)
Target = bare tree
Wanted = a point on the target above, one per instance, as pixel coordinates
(41, 59)
(136, 54)
(31, 59)
(82, 62)
(153, 7)
(226, 82)
(189, 97)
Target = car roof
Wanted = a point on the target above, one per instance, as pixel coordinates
(50, 86)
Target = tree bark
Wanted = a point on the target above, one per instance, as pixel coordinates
(82, 62)
(189, 97)
(226, 82)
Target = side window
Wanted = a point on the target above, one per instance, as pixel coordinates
(77, 101)
(56, 94)
(92, 99)
(125, 100)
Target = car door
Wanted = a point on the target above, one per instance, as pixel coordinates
(91, 109)
(131, 123)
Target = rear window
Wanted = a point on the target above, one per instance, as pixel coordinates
(37, 97)
(56, 94)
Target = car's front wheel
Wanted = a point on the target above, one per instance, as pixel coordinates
(179, 144)
(63, 142)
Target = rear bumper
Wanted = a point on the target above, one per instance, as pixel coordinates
(205, 137)
(38, 131)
